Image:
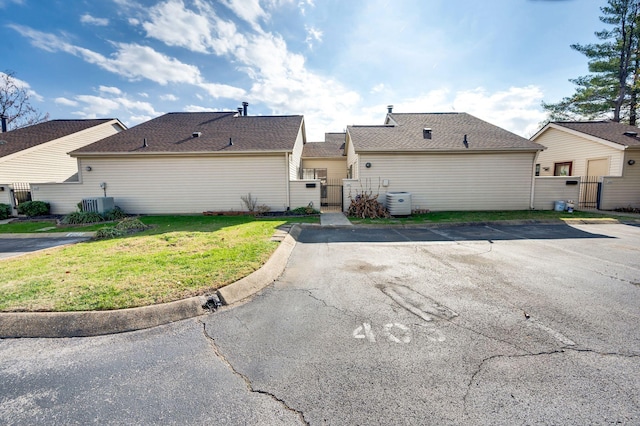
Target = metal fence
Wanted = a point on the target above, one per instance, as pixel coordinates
(21, 192)
(590, 191)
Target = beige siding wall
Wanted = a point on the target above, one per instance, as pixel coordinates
(350, 188)
(295, 159)
(441, 182)
(301, 196)
(564, 147)
(623, 191)
(549, 189)
(336, 168)
(175, 184)
(5, 194)
(49, 162)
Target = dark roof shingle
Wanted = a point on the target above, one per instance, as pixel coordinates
(37, 134)
(173, 133)
(404, 132)
(608, 130)
(333, 146)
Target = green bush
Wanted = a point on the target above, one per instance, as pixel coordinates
(33, 208)
(114, 214)
(79, 218)
(304, 211)
(5, 211)
(131, 224)
(108, 232)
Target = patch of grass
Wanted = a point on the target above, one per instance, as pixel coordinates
(177, 257)
(480, 216)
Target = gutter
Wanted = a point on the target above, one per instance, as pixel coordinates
(287, 176)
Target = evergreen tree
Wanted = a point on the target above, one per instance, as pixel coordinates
(611, 89)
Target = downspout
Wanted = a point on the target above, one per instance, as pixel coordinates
(288, 177)
(533, 179)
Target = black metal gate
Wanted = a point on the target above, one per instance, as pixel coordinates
(590, 190)
(331, 194)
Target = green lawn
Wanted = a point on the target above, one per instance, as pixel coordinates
(481, 216)
(180, 256)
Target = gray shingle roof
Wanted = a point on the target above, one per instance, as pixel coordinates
(172, 133)
(405, 133)
(608, 130)
(333, 146)
(28, 137)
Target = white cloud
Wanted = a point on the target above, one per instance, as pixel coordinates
(103, 106)
(110, 89)
(21, 84)
(313, 35)
(88, 19)
(197, 108)
(65, 102)
(5, 3)
(169, 97)
(248, 10)
(377, 88)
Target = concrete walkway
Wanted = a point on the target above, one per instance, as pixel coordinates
(334, 219)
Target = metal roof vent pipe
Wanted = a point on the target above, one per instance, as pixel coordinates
(144, 143)
(426, 133)
(230, 142)
(196, 134)
(244, 108)
(239, 111)
(465, 142)
(4, 123)
(389, 109)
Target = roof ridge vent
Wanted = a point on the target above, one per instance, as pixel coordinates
(631, 134)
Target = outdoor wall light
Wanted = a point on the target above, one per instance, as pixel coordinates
(631, 162)
(88, 168)
(368, 165)
(546, 169)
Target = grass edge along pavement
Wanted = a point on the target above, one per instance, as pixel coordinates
(182, 256)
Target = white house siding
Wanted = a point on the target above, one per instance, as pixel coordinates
(623, 191)
(564, 147)
(190, 184)
(461, 181)
(295, 159)
(5, 194)
(49, 161)
(301, 196)
(336, 167)
(549, 189)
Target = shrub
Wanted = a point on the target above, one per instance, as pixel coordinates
(304, 210)
(5, 211)
(131, 224)
(79, 218)
(108, 232)
(114, 214)
(33, 208)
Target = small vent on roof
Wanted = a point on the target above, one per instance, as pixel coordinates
(426, 133)
(3, 142)
(144, 143)
(632, 134)
(230, 141)
(196, 134)
(465, 142)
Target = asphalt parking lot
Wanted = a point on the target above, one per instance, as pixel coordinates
(11, 247)
(531, 324)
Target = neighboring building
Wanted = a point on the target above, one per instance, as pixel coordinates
(39, 153)
(594, 149)
(326, 161)
(447, 161)
(585, 148)
(192, 163)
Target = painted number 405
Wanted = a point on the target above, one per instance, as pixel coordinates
(394, 332)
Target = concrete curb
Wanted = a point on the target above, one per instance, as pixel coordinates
(261, 278)
(96, 323)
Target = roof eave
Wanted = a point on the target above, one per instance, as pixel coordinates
(178, 154)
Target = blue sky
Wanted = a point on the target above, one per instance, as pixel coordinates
(338, 62)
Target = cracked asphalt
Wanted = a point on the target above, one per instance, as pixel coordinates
(452, 325)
